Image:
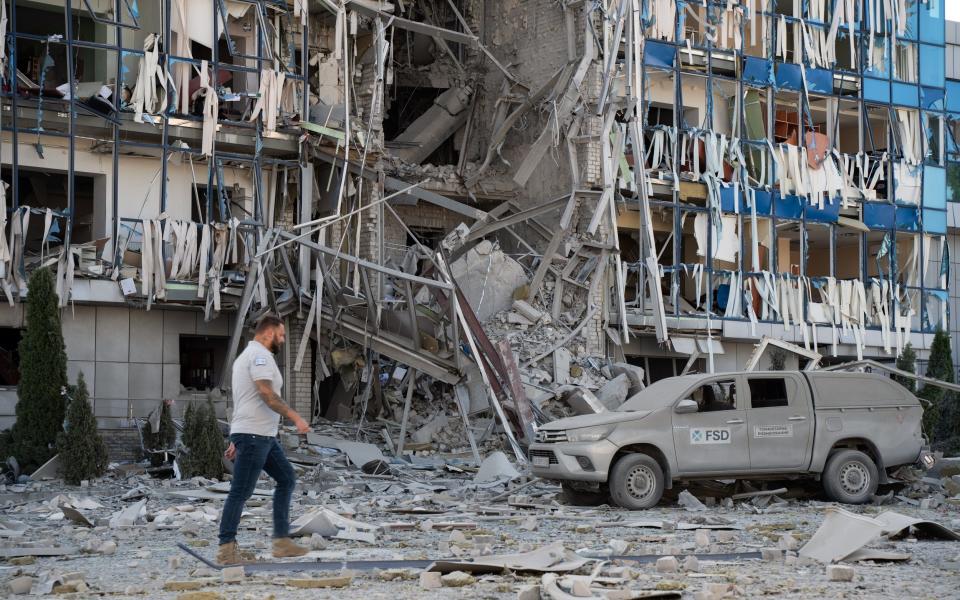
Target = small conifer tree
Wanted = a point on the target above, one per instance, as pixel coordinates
(907, 361)
(204, 442)
(940, 366)
(43, 377)
(83, 455)
(164, 438)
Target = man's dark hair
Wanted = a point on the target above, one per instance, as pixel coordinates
(267, 322)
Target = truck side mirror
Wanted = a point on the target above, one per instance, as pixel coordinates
(685, 406)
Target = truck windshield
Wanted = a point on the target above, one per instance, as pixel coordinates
(658, 394)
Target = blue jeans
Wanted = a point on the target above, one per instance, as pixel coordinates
(256, 453)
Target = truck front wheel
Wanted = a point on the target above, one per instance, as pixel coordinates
(850, 476)
(636, 482)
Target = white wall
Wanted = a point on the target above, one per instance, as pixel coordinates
(129, 357)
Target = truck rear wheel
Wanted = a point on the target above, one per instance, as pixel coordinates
(636, 482)
(850, 476)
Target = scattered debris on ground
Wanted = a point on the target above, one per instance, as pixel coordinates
(436, 521)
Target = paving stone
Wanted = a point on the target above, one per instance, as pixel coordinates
(232, 575)
(186, 585)
(430, 580)
(320, 582)
(201, 596)
(840, 573)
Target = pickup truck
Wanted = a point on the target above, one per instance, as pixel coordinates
(846, 429)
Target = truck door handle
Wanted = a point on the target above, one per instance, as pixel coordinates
(734, 421)
(797, 418)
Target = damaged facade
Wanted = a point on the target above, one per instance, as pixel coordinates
(472, 209)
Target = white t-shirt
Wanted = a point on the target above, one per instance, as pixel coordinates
(250, 413)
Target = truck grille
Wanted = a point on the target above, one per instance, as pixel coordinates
(545, 453)
(551, 437)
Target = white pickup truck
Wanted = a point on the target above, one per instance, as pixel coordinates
(847, 429)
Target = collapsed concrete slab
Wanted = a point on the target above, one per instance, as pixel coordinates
(488, 279)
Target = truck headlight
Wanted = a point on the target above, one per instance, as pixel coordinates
(588, 434)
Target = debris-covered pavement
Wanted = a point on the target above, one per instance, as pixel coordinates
(388, 528)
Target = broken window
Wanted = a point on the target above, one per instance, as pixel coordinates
(763, 244)
(90, 27)
(768, 392)
(786, 120)
(44, 189)
(933, 129)
(878, 254)
(953, 182)
(935, 307)
(201, 361)
(716, 396)
(936, 262)
(694, 91)
(10, 356)
(753, 43)
(206, 203)
(908, 258)
(848, 253)
(906, 61)
(693, 273)
(658, 367)
(789, 241)
(819, 260)
(845, 131)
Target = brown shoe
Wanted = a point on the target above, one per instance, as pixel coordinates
(285, 548)
(231, 554)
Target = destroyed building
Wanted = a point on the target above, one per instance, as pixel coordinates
(505, 197)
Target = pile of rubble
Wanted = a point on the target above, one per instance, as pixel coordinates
(383, 525)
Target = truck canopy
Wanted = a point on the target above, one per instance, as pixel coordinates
(839, 390)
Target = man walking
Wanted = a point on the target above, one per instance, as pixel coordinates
(257, 409)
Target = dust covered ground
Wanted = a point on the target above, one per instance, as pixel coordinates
(423, 514)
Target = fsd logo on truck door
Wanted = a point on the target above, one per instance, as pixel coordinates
(711, 435)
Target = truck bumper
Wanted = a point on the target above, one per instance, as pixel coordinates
(586, 461)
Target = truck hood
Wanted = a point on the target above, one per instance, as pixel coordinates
(604, 418)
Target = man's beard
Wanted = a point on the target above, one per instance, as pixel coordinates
(274, 347)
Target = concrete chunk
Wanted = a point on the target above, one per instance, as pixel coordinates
(613, 394)
(529, 592)
(668, 564)
(487, 277)
(494, 467)
(430, 580)
(561, 365)
(840, 573)
(200, 596)
(232, 575)
(20, 586)
(186, 585)
(771, 554)
(583, 402)
(634, 373)
(690, 502)
(308, 583)
(528, 311)
(108, 548)
(457, 579)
